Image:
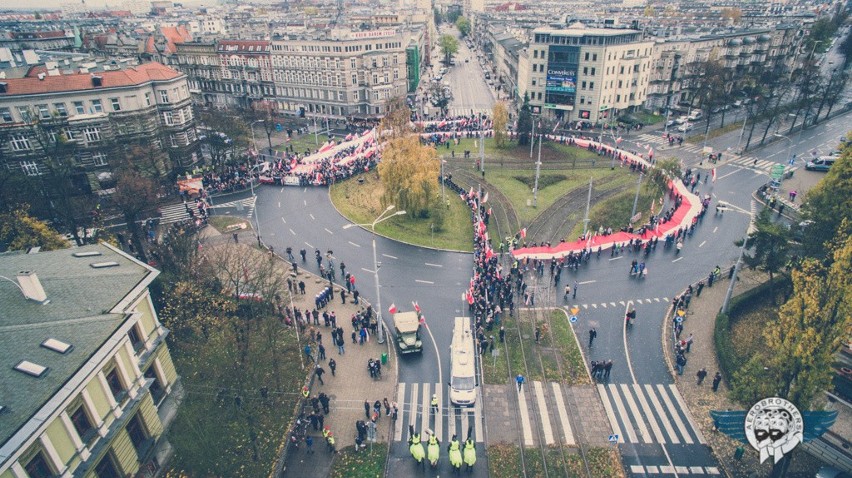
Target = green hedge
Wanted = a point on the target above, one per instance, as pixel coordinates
(729, 360)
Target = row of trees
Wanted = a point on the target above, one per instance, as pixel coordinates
(796, 359)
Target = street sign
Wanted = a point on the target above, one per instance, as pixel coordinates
(636, 217)
(613, 438)
(573, 319)
(777, 171)
(679, 319)
(575, 310)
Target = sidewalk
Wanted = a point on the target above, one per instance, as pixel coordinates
(700, 399)
(350, 386)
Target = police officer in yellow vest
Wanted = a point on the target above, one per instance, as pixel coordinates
(433, 450)
(469, 454)
(415, 446)
(455, 454)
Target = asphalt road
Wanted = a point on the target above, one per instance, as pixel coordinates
(467, 82)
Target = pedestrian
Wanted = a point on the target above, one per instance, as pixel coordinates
(593, 334)
(324, 401)
(308, 352)
(567, 293)
(538, 335)
(520, 380)
(302, 287)
(502, 334)
(332, 365)
(340, 343)
(367, 409)
(698, 289)
(387, 406)
(717, 379)
(689, 342)
(607, 368)
(321, 349)
(680, 363)
(701, 375)
(309, 444)
(575, 290)
(434, 407)
(319, 371)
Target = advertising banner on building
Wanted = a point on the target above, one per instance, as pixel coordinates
(561, 79)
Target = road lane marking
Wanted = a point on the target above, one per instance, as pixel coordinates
(624, 335)
(686, 413)
(306, 202)
(621, 302)
(525, 419)
(563, 414)
(609, 413)
(542, 410)
(390, 256)
(356, 245)
(672, 411)
(587, 282)
(279, 204)
(585, 306)
(658, 434)
(715, 229)
(439, 421)
(284, 220)
(702, 244)
(433, 265)
(309, 245)
(400, 397)
(426, 410)
(367, 270)
(638, 301)
(412, 416)
(424, 281)
(637, 415)
(628, 427)
(292, 232)
(326, 230)
(595, 306)
(603, 304)
(679, 258)
(617, 258)
(612, 304)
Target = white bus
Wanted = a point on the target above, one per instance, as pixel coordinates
(462, 364)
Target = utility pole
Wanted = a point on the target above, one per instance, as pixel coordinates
(532, 138)
(636, 199)
(443, 196)
(734, 277)
(588, 204)
(537, 172)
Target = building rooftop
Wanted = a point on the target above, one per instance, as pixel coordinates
(577, 30)
(49, 83)
(84, 309)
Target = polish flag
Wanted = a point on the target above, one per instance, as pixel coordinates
(485, 198)
(713, 174)
(524, 233)
(392, 309)
(469, 298)
(416, 307)
(618, 140)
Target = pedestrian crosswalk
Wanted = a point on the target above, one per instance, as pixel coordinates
(649, 470)
(414, 401)
(762, 165)
(648, 413)
(621, 303)
(177, 212)
(543, 414)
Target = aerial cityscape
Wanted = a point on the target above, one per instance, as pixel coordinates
(370, 238)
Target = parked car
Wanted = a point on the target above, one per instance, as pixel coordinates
(670, 123)
(695, 115)
(685, 127)
(682, 119)
(823, 163)
(737, 103)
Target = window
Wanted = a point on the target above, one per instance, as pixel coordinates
(116, 105)
(97, 107)
(135, 338)
(93, 135)
(20, 143)
(79, 108)
(106, 468)
(37, 467)
(100, 159)
(147, 99)
(115, 385)
(25, 114)
(138, 435)
(60, 109)
(591, 85)
(164, 96)
(168, 117)
(595, 57)
(6, 115)
(43, 111)
(593, 71)
(83, 424)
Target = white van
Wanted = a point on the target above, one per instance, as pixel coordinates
(462, 364)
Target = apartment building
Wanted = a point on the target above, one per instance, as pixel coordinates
(345, 74)
(88, 383)
(677, 62)
(96, 117)
(587, 74)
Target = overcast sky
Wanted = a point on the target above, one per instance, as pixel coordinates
(96, 4)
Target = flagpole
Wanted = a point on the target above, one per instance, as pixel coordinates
(537, 172)
(588, 203)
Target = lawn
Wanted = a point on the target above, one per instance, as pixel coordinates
(365, 464)
(304, 142)
(504, 461)
(359, 202)
(517, 185)
(512, 151)
(615, 211)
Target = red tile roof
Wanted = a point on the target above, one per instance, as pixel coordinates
(83, 81)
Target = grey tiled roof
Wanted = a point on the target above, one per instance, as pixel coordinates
(81, 298)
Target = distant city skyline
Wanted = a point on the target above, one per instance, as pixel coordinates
(95, 4)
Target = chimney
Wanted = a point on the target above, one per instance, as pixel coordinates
(31, 286)
(41, 76)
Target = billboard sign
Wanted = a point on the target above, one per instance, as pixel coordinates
(561, 80)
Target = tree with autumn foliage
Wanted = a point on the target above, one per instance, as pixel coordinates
(409, 171)
(397, 120)
(500, 119)
(796, 359)
(19, 231)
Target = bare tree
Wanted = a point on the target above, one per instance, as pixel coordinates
(135, 196)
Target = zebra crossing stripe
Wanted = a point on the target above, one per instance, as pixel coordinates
(439, 422)
(400, 398)
(660, 411)
(542, 410)
(658, 434)
(477, 417)
(616, 430)
(412, 412)
(425, 411)
(563, 414)
(675, 416)
(525, 419)
(682, 406)
(637, 416)
(628, 428)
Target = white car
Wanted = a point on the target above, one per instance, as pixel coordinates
(685, 127)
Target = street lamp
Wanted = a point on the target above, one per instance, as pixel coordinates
(251, 127)
(376, 264)
(790, 144)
